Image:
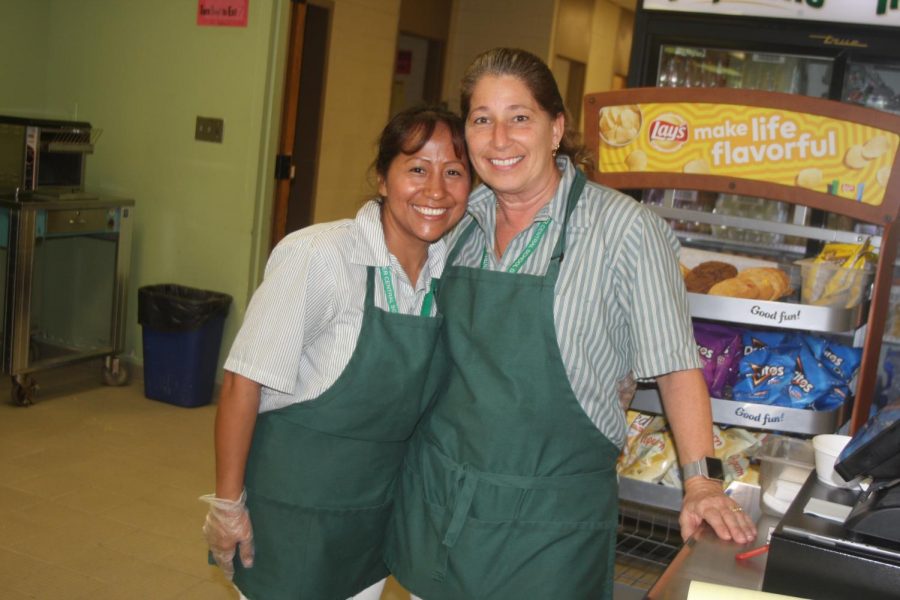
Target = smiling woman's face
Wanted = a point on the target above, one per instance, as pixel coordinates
(511, 139)
(424, 193)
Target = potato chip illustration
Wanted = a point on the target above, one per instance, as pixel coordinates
(876, 147)
(620, 125)
(622, 135)
(698, 165)
(630, 119)
(637, 161)
(854, 158)
(607, 123)
(810, 178)
(882, 176)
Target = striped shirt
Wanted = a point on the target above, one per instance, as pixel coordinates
(303, 322)
(620, 301)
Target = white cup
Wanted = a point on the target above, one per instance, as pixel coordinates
(828, 447)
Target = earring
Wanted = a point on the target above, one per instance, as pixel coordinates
(555, 149)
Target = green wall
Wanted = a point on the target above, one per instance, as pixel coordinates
(142, 72)
(23, 67)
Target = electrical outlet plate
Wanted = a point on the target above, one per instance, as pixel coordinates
(209, 129)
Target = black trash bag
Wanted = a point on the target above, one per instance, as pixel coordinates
(172, 307)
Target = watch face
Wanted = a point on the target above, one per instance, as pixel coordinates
(714, 469)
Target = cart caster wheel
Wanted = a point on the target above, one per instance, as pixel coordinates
(23, 389)
(114, 373)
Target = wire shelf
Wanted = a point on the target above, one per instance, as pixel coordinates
(62, 139)
(646, 542)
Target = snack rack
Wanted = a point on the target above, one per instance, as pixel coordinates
(865, 322)
(884, 216)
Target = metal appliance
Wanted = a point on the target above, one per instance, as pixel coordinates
(823, 558)
(44, 156)
(64, 293)
(64, 255)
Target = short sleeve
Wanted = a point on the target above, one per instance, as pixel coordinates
(661, 331)
(294, 301)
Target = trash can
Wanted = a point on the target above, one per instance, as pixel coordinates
(182, 332)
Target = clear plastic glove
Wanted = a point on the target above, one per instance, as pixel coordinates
(626, 388)
(228, 527)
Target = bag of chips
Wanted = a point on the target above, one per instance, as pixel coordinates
(719, 348)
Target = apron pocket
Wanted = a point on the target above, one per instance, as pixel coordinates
(595, 501)
(313, 553)
(327, 469)
(533, 560)
(345, 551)
(586, 498)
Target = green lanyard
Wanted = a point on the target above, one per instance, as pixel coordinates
(391, 297)
(532, 245)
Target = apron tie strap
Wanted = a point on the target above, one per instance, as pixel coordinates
(466, 482)
(461, 505)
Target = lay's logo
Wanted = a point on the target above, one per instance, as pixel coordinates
(668, 132)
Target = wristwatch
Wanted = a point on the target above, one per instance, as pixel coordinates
(708, 467)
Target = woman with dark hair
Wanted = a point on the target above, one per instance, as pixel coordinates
(555, 289)
(323, 385)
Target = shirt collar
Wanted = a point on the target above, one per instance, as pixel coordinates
(483, 203)
(370, 249)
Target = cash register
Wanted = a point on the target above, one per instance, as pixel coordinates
(842, 543)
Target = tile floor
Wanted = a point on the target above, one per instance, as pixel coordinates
(98, 494)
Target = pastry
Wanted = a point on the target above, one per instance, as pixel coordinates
(705, 275)
(736, 287)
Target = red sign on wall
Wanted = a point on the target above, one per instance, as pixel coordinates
(228, 13)
(404, 62)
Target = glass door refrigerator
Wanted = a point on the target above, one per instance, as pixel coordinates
(843, 50)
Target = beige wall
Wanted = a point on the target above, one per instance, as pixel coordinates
(358, 85)
(357, 102)
(573, 29)
(604, 44)
(479, 25)
(426, 18)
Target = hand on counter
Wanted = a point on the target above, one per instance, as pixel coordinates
(704, 500)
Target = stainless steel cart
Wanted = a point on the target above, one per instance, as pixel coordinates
(64, 292)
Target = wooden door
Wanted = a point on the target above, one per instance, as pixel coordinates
(296, 164)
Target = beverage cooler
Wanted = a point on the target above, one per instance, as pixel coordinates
(845, 51)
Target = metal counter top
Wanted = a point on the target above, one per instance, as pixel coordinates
(54, 203)
(705, 557)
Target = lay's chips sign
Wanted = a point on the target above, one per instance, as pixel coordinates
(795, 149)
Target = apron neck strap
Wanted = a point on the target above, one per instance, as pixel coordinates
(460, 242)
(370, 286)
(571, 202)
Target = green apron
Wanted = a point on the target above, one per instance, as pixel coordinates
(509, 490)
(321, 474)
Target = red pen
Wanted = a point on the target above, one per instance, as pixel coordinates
(752, 553)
